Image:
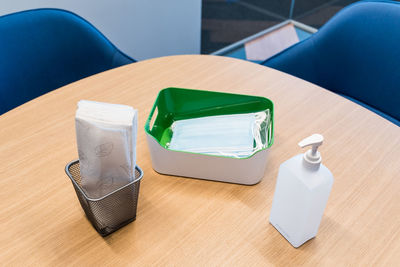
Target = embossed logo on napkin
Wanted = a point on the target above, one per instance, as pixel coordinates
(104, 184)
(104, 150)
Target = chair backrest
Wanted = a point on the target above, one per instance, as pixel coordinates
(44, 49)
(356, 54)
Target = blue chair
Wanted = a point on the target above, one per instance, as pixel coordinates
(356, 54)
(44, 49)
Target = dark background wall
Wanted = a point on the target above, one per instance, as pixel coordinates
(225, 22)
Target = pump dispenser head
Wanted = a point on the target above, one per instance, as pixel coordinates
(312, 157)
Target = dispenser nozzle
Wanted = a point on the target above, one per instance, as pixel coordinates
(312, 156)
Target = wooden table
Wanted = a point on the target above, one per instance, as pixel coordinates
(194, 222)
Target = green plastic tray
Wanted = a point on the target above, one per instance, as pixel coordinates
(177, 104)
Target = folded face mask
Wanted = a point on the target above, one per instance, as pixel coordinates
(106, 138)
(237, 135)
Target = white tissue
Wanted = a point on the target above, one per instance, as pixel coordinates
(106, 138)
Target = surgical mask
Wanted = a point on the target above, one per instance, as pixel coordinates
(236, 135)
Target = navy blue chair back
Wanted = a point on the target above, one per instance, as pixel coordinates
(44, 49)
(355, 54)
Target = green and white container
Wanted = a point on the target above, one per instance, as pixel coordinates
(177, 104)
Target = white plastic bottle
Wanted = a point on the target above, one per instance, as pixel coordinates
(302, 190)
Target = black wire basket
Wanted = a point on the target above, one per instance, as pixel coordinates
(112, 211)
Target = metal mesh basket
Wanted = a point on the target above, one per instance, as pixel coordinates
(112, 211)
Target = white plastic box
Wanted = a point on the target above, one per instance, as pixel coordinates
(176, 104)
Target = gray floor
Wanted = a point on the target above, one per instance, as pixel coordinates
(227, 21)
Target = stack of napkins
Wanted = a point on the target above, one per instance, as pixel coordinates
(106, 137)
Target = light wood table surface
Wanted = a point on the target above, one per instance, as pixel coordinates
(194, 222)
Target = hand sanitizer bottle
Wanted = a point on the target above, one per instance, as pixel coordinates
(301, 193)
